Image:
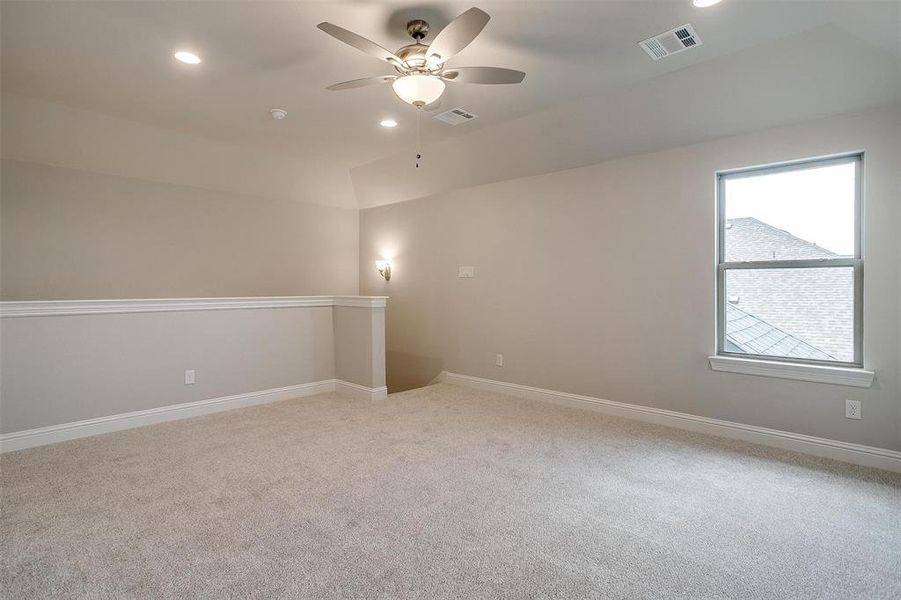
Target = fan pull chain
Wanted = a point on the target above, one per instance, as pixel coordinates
(418, 135)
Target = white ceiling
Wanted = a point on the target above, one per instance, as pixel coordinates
(115, 58)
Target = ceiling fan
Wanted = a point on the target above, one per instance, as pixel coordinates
(422, 68)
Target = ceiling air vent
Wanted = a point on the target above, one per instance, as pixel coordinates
(455, 116)
(671, 42)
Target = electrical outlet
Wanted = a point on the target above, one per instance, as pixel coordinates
(500, 360)
(853, 409)
(189, 377)
(466, 272)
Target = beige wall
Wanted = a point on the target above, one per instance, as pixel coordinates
(94, 206)
(73, 234)
(600, 281)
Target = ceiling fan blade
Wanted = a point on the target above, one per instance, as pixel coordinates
(360, 43)
(457, 35)
(355, 83)
(484, 75)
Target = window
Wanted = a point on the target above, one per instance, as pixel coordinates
(790, 270)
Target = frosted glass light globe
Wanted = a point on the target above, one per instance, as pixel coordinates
(418, 90)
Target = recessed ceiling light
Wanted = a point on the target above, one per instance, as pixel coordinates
(189, 58)
(704, 3)
(388, 123)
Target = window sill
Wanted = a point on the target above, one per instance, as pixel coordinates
(801, 372)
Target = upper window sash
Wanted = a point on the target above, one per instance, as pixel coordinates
(855, 158)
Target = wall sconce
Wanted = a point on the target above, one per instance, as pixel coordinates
(384, 268)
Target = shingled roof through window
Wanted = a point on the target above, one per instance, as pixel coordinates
(749, 239)
(793, 313)
(749, 335)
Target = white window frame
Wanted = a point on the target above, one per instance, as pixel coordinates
(758, 364)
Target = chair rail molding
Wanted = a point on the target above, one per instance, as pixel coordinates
(48, 308)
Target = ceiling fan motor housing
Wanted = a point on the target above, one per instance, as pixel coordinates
(414, 57)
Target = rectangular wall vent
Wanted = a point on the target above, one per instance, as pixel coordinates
(455, 116)
(671, 42)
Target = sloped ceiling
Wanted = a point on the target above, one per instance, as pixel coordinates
(809, 75)
(590, 92)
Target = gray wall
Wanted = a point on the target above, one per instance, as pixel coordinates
(600, 281)
(74, 234)
(360, 345)
(60, 369)
(68, 368)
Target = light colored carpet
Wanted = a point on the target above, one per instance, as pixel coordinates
(442, 492)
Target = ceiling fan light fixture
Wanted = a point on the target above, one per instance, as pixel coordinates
(417, 89)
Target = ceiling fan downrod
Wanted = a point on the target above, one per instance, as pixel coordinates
(418, 29)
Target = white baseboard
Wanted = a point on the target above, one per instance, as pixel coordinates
(360, 392)
(41, 436)
(868, 456)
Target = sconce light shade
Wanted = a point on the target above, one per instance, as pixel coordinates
(384, 268)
